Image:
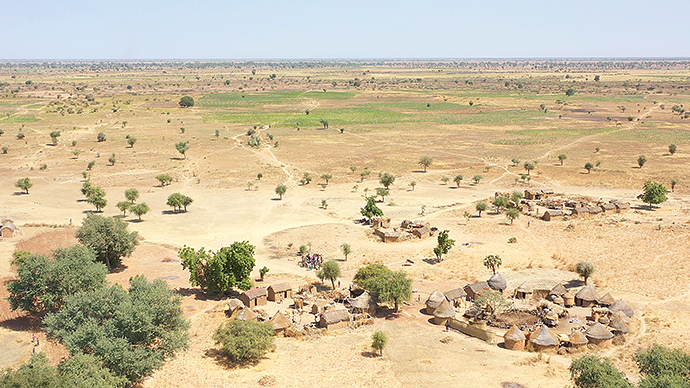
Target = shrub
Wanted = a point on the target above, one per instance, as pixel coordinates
(243, 341)
(379, 340)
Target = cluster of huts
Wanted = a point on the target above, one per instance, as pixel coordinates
(7, 228)
(406, 230)
(561, 205)
(583, 209)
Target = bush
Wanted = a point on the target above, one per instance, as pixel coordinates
(585, 269)
(378, 341)
(243, 341)
(186, 101)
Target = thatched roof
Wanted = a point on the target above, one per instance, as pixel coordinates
(476, 287)
(234, 304)
(435, 299)
(514, 334)
(280, 287)
(618, 324)
(606, 300)
(598, 331)
(587, 293)
(497, 282)
(579, 338)
(526, 288)
(559, 290)
(620, 315)
(280, 321)
(335, 316)
(623, 307)
(457, 293)
(444, 310)
(245, 315)
(544, 337)
(364, 302)
(255, 292)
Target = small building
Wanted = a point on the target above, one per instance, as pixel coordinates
(608, 208)
(244, 314)
(497, 282)
(387, 235)
(578, 339)
(543, 340)
(319, 306)
(423, 232)
(586, 297)
(475, 288)
(621, 306)
(435, 299)
(254, 297)
(280, 323)
(533, 194)
(618, 325)
(233, 305)
(455, 297)
(599, 335)
(365, 303)
(524, 291)
(558, 290)
(7, 228)
(580, 211)
(606, 300)
(334, 319)
(280, 291)
(514, 339)
(381, 222)
(443, 313)
(569, 299)
(551, 215)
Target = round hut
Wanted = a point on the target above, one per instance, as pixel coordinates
(524, 291)
(443, 313)
(280, 323)
(497, 282)
(569, 299)
(543, 340)
(513, 339)
(599, 335)
(618, 326)
(606, 300)
(434, 301)
(233, 305)
(586, 297)
(365, 304)
(245, 314)
(557, 290)
(578, 339)
(623, 307)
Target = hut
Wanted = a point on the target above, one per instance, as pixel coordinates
(533, 194)
(254, 297)
(475, 288)
(621, 306)
(387, 235)
(334, 319)
(599, 335)
(578, 339)
(543, 339)
(434, 300)
(365, 303)
(7, 228)
(618, 325)
(422, 232)
(513, 339)
(233, 305)
(497, 282)
(524, 291)
(443, 313)
(608, 208)
(278, 292)
(558, 290)
(569, 299)
(318, 306)
(606, 300)
(244, 314)
(381, 222)
(580, 211)
(280, 323)
(551, 215)
(594, 210)
(455, 296)
(586, 297)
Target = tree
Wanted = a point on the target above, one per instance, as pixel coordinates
(395, 287)
(108, 237)
(387, 179)
(186, 101)
(281, 189)
(370, 210)
(590, 371)
(329, 270)
(140, 209)
(219, 271)
(589, 166)
(132, 195)
(515, 161)
(562, 158)
(413, 184)
(654, 193)
(382, 192)
(186, 201)
(5, 149)
(346, 249)
(672, 149)
(263, 271)
(90, 165)
(131, 141)
(24, 184)
(674, 182)
(501, 202)
(124, 206)
(425, 162)
(458, 178)
(306, 179)
(324, 123)
(243, 341)
(326, 177)
(54, 137)
(641, 160)
(96, 197)
(378, 341)
(131, 331)
(164, 179)
(44, 284)
(570, 92)
(512, 214)
(259, 176)
(491, 301)
(444, 244)
(445, 180)
(477, 178)
(481, 206)
(492, 262)
(100, 137)
(529, 166)
(585, 269)
(659, 364)
(516, 196)
(182, 147)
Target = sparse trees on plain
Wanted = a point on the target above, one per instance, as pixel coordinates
(589, 166)
(326, 177)
(164, 179)
(182, 147)
(477, 178)
(585, 269)
(512, 214)
(306, 179)
(329, 270)
(672, 149)
(515, 161)
(425, 161)
(96, 196)
(444, 245)
(445, 180)
(131, 141)
(54, 137)
(382, 192)
(243, 341)
(281, 189)
(132, 195)
(641, 160)
(387, 179)
(516, 196)
(186, 101)
(654, 193)
(24, 184)
(370, 210)
(674, 182)
(100, 137)
(124, 206)
(140, 209)
(378, 341)
(179, 201)
(529, 166)
(501, 202)
(458, 178)
(493, 262)
(413, 184)
(481, 206)
(562, 158)
(346, 249)
(219, 271)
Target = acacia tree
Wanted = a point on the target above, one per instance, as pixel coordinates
(589, 166)
(378, 341)
(444, 244)
(345, 247)
(186, 101)
(108, 237)
(562, 158)
(529, 166)
(641, 160)
(124, 206)
(329, 270)
(481, 206)
(219, 271)
(387, 179)
(672, 149)
(654, 193)
(382, 192)
(585, 269)
(132, 195)
(24, 184)
(674, 182)
(426, 161)
(458, 178)
(95, 195)
(370, 210)
(477, 178)
(54, 137)
(164, 179)
(512, 214)
(493, 262)
(182, 147)
(131, 141)
(243, 341)
(140, 209)
(281, 189)
(326, 177)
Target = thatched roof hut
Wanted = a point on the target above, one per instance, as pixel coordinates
(619, 326)
(443, 312)
(475, 288)
(558, 290)
(280, 323)
(514, 339)
(543, 339)
(233, 305)
(587, 296)
(435, 299)
(365, 303)
(524, 291)
(599, 335)
(623, 307)
(455, 296)
(334, 319)
(497, 282)
(245, 314)
(578, 339)
(606, 300)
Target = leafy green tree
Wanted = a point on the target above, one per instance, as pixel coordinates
(306, 179)
(131, 331)
(512, 214)
(387, 179)
(641, 160)
(108, 237)
(444, 244)
(477, 178)
(529, 166)
(43, 284)
(674, 182)
(370, 210)
(87, 371)
(654, 193)
(501, 202)
(132, 195)
(35, 373)
(515, 161)
(24, 184)
(96, 197)
(585, 269)
(672, 149)
(425, 161)
(516, 196)
(458, 178)
(324, 123)
(182, 147)
(368, 273)
(378, 341)
(493, 262)
(413, 184)
(243, 341)
(346, 249)
(54, 137)
(186, 101)
(259, 176)
(445, 180)
(218, 272)
(329, 270)
(281, 189)
(562, 158)
(383, 284)
(90, 165)
(124, 207)
(481, 206)
(263, 271)
(492, 302)
(5, 149)
(590, 371)
(570, 92)
(326, 177)
(140, 209)
(164, 179)
(131, 141)
(660, 364)
(178, 201)
(100, 137)
(589, 166)
(382, 192)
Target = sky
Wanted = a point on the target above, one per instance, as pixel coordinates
(329, 29)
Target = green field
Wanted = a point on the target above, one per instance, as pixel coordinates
(19, 119)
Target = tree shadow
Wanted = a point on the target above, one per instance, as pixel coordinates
(198, 294)
(369, 354)
(134, 221)
(431, 261)
(387, 313)
(221, 359)
(92, 211)
(176, 158)
(644, 207)
(276, 199)
(168, 212)
(22, 323)
(118, 269)
(574, 283)
(419, 171)
(19, 193)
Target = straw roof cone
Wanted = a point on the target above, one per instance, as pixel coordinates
(620, 315)
(444, 310)
(364, 302)
(623, 307)
(617, 324)
(435, 299)
(514, 334)
(497, 282)
(599, 332)
(544, 337)
(606, 300)
(280, 321)
(588, 293)
(245, 315)
(578, 339)
(559, 290)
(525, 287)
